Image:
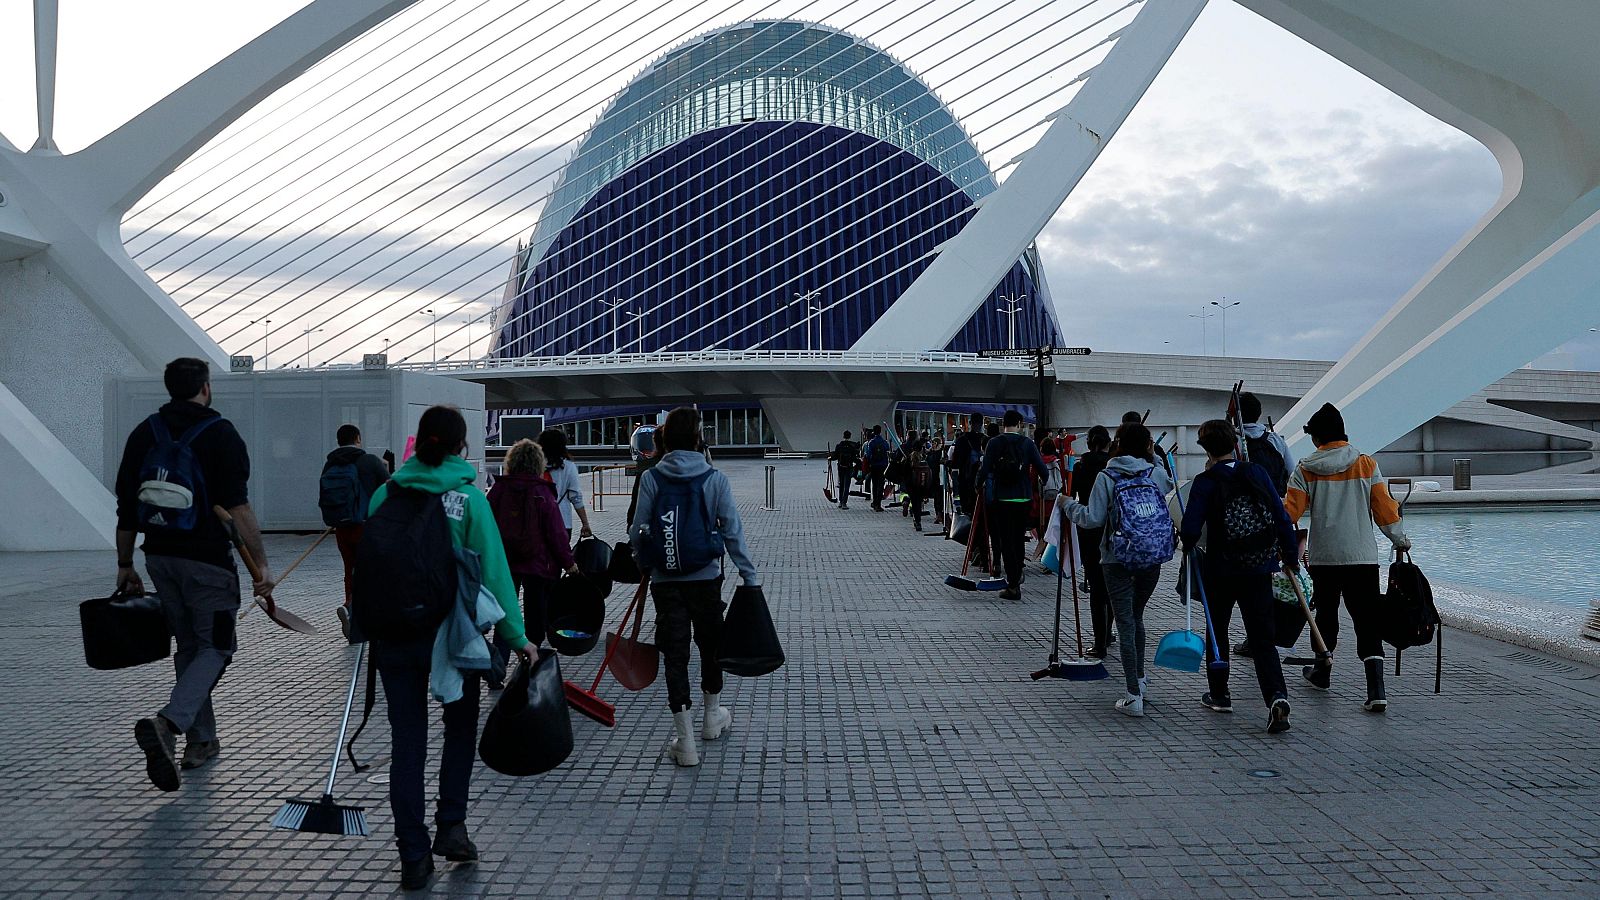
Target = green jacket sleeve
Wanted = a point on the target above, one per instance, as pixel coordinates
(481, 534)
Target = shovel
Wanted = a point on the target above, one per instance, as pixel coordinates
(588, 702)
(827, 490)
(282, 617)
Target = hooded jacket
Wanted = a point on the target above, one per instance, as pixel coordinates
(1346, 495)
(1255, 430)
(1201, 509)
(549, 555)
(685, 464)
(472, 527)
(1097, 512)
(370, 470)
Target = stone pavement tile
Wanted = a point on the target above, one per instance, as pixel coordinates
(901, 752)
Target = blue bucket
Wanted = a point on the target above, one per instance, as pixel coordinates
(1052, 559)
(1181, 650)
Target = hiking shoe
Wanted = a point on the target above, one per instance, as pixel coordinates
(1318, 677)
(1131, 705)
(198, 753)
(714, 717)
(453, 844)
(160, 746)
(414, 873)
(1010, 593)
(1223, 704)
(1278, 718)
(681, 749)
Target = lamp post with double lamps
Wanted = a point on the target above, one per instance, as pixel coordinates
(1010, 310)
(1224, 305)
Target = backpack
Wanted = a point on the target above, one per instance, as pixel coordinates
(339, 495)
(683, 537)
(878, 454)
(405, 569)
(172, 486)
(1142, 535)
(847, 451)
(1007, 469)
(516, 512)
(1242, 530)
(1408, 617)
(1263, 453)
(921, 472)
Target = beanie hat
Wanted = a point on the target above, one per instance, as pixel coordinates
(1326, 425)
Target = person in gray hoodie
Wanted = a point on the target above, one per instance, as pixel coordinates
(1129, 582)
(684, 521)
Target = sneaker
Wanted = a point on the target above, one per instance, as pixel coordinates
(1278, 718)
(414, 873)
(1144, 688)
(160, 746)
(1096, 653)
(453, 844)
(1318, 677)
(1223, 704)
(343, 612)
(198, 753)
(1010, 593)
(1131, 705)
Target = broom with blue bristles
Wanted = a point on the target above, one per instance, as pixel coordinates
(324, 816)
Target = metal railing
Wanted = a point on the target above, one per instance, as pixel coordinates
(609, 481)
(750, 357)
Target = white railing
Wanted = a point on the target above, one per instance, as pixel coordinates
(736, 357)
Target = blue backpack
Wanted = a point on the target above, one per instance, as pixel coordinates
(683, 535)
(1141, 536)
(878, 454)
(172, 489)
(340, 496)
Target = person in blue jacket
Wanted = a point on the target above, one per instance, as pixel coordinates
(1235, 574)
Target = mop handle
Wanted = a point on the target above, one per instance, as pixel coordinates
(1072, 556)
(972, 533)
(1211, 634)
(344, 724)
(314, 544)
(1177, 491)
(638, 601)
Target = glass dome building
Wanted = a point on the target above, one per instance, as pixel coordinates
(769, 185)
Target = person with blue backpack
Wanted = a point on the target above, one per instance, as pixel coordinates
(1128, 501)
(684, 522)
(176, 466)
(875, 454)
(350, 477)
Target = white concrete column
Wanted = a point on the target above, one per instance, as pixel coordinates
(45, 19)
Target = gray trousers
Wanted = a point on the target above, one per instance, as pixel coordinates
(201, 602)
(1130, 590)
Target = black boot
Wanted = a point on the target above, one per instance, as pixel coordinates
(453, 844)
(414, 874)
(1376, 701)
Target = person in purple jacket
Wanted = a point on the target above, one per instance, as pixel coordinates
(525, 508)
(1234, 509)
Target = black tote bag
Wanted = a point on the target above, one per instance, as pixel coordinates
(123, 630)
(750, 646)
(529, 730)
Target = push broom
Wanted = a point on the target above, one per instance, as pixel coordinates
(325, 816)
(1082, 668)
(963, 581)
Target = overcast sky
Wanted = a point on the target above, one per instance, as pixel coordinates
(1256, 169)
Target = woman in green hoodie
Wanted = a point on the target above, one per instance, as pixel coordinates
(437, 468)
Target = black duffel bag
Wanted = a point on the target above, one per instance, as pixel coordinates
(124, 630)
(624, 568)
(593, 557)
(529, 730)
(750, 646)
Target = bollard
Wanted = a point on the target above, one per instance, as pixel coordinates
(771, 503)
(1462, 474)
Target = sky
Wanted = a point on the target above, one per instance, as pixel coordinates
(1256, 170)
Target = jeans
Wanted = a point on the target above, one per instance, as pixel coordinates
(1253, 595)
(348, 538)
(201, 605)
(1359, 587)
(875, 488)
(1009, 536)
(1130, 590)
(405, 691)
(1100, 614)
(845, 470)
(680, 605)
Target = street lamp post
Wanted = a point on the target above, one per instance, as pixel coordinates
(309, 332)
(818, 310)
(1205, 348)
(639, 318)
(1224, 306)
(616, 323)
(805, 297)
(435, 341)
(266, 339)
(1013, 306)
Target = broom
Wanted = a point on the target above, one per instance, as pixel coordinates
(588, 702)
(1082, 668)
(827, 489)
(325, 816)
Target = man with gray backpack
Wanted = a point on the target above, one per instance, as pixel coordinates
(350, 477)
(1128, 501)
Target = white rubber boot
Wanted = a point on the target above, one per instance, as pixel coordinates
(681, 748)
(715, 718)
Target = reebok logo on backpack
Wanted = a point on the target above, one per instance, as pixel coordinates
(172, 487)
(683, 536)
(1142, 538)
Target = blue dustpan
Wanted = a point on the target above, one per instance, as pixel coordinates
(1052, 559)
(1181, 650)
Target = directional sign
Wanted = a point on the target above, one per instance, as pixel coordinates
(1030, 354)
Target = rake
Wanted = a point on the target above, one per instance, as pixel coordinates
(325, 816)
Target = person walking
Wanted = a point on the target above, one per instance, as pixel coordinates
(935, 458)
(686, 520)
(350, 476)
(562, 472)
(524, 506)
(876, 454)
(406, 663)
(176, 465)
(1234, 509)
(1088, 468)
(1268, 450)
(1128, 503)
(1345, 495)
(1010, 464)
(844, 456)
(920, 484)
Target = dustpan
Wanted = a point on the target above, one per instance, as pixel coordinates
(1182, 650)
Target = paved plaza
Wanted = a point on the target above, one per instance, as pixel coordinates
(902, 751)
